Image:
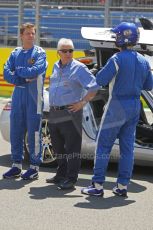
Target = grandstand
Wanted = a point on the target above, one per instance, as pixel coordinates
(65, 18)
(84, 3)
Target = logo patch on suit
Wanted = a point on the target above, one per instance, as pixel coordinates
(127, 33)
(31, 61)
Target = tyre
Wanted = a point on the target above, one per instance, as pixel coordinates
(47, 150)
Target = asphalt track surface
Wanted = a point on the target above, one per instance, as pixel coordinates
(40, 206)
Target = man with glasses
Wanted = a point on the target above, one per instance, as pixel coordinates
(71, 87)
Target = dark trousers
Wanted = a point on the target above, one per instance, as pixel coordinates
(66, 136)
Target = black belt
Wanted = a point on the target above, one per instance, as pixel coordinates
(59, 107)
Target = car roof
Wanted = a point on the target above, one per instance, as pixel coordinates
(102, 37)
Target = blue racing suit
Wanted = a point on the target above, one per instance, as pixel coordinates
(127, 73)
(27, 100)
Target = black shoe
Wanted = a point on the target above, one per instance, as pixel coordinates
(67, 184)
(54, 180)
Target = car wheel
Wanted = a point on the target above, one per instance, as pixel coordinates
(47, 149)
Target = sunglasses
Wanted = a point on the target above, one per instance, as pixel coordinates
(67, 51)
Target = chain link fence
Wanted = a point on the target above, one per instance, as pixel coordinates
(65, 18)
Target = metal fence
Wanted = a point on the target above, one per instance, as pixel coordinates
(85, 3)
(65, 18)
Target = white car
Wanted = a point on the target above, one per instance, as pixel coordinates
(101, 40)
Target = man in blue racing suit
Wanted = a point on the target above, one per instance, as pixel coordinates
(26, 69)
(127, 73)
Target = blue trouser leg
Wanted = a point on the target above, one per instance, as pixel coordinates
(105, 142)
(120, 121)
(26, 115)
(34, 123)
(34, 138)
(17, 126)
(17, 130)
(126, 141)
(109, 129)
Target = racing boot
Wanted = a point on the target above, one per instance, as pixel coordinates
(95, 189)
(13, 172)
(31, 173)
(120, 190)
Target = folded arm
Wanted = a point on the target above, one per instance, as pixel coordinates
(9, 72)
(37, 68)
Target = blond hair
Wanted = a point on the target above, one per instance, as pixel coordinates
(25, 26)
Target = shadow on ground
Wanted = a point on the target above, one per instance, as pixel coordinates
(45, 191)
(51, 191)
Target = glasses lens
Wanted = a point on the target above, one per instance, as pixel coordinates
(66, 51)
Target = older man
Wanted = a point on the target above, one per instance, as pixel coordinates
(71, 87)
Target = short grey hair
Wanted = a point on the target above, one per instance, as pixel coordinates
(65, 42)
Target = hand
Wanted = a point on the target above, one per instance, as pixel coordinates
(76, 106)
